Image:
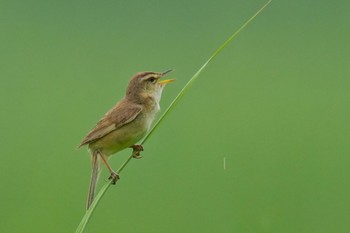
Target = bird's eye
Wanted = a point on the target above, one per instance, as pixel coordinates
(152, 79)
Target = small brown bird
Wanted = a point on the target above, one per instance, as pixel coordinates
(125, 124)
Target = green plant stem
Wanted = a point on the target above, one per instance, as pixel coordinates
(196, 75)
(81, 227)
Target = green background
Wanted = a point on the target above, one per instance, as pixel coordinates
(275, 105)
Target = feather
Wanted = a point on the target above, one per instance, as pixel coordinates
(94, 178)
(121, 114)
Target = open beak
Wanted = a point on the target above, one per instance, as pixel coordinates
(166, 72)
(163, 82)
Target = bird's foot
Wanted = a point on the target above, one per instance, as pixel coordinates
(136, 151)
(114, 177)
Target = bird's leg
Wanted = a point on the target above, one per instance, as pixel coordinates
(114, 176)
(136, 151)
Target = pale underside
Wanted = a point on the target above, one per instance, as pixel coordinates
(121, 127)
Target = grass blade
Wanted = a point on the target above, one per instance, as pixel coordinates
(84, 221)
(81, 227)
(196, 75)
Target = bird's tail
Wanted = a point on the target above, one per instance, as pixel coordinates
(95, 160)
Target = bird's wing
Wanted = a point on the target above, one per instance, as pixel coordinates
(121, 114)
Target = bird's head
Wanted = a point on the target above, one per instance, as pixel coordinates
(147, 85)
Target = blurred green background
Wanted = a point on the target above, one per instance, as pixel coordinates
(275, 105)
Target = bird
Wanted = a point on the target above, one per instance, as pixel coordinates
(125, 124)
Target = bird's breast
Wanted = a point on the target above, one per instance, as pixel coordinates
(127, 135)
